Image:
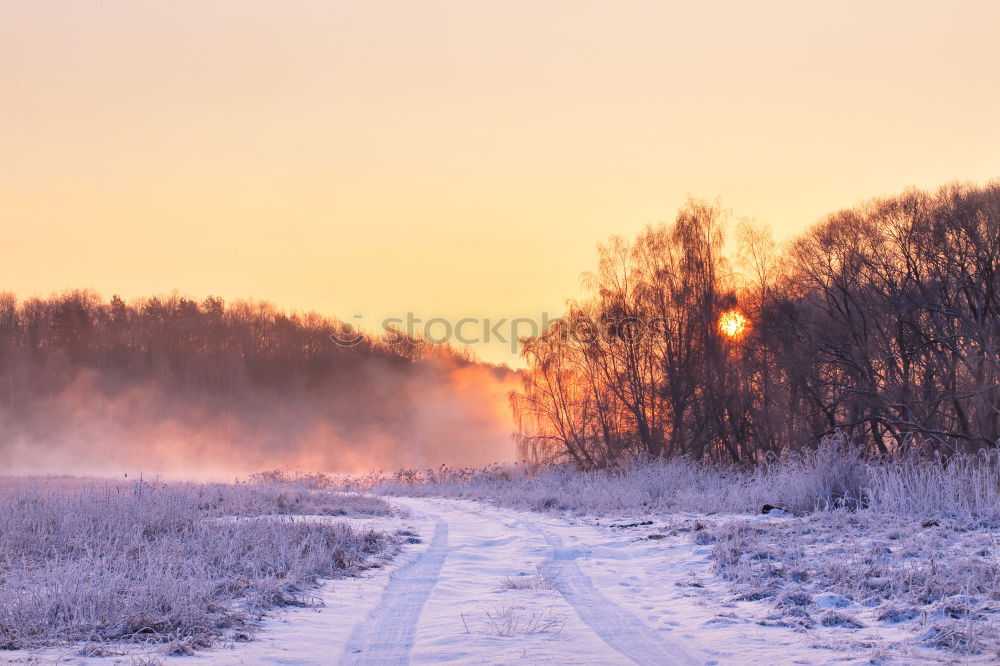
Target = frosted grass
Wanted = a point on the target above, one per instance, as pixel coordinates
(96, 562)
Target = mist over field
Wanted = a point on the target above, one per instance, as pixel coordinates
(173, 387)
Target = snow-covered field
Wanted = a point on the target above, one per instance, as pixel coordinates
(487, 584)
(594, 591)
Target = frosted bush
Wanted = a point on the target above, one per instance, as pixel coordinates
(906, 570)
(161, 563)
(831, 477)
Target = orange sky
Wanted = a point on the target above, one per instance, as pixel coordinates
(455, 158)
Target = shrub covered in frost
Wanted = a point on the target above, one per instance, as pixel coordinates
(831, 477)
(97, 561)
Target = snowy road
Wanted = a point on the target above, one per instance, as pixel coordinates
(496, 586)
(472, 549)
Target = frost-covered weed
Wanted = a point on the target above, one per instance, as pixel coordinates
(157, 563)
(834, 476)
(968, 637)
(837, 619)
(831, 563)
(510, 620)
(546, 577)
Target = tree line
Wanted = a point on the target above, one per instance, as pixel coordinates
(209, 348)
(881, 322)
(83, 377)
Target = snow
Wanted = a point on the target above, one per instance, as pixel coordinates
(831, 600)
(603, 594)
(622, 598)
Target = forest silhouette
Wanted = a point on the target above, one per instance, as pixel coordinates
(880, 323)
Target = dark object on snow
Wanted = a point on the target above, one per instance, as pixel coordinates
(930, 523)
(767, 508)
(645, 522)
(657, 537)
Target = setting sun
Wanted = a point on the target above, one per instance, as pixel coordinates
(732, 323)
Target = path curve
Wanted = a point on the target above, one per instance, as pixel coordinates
(387, 635)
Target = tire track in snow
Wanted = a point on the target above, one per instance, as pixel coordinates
(386, 635)
(622, 630)
(618, 627)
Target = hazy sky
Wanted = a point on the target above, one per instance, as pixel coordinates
(455, 158)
